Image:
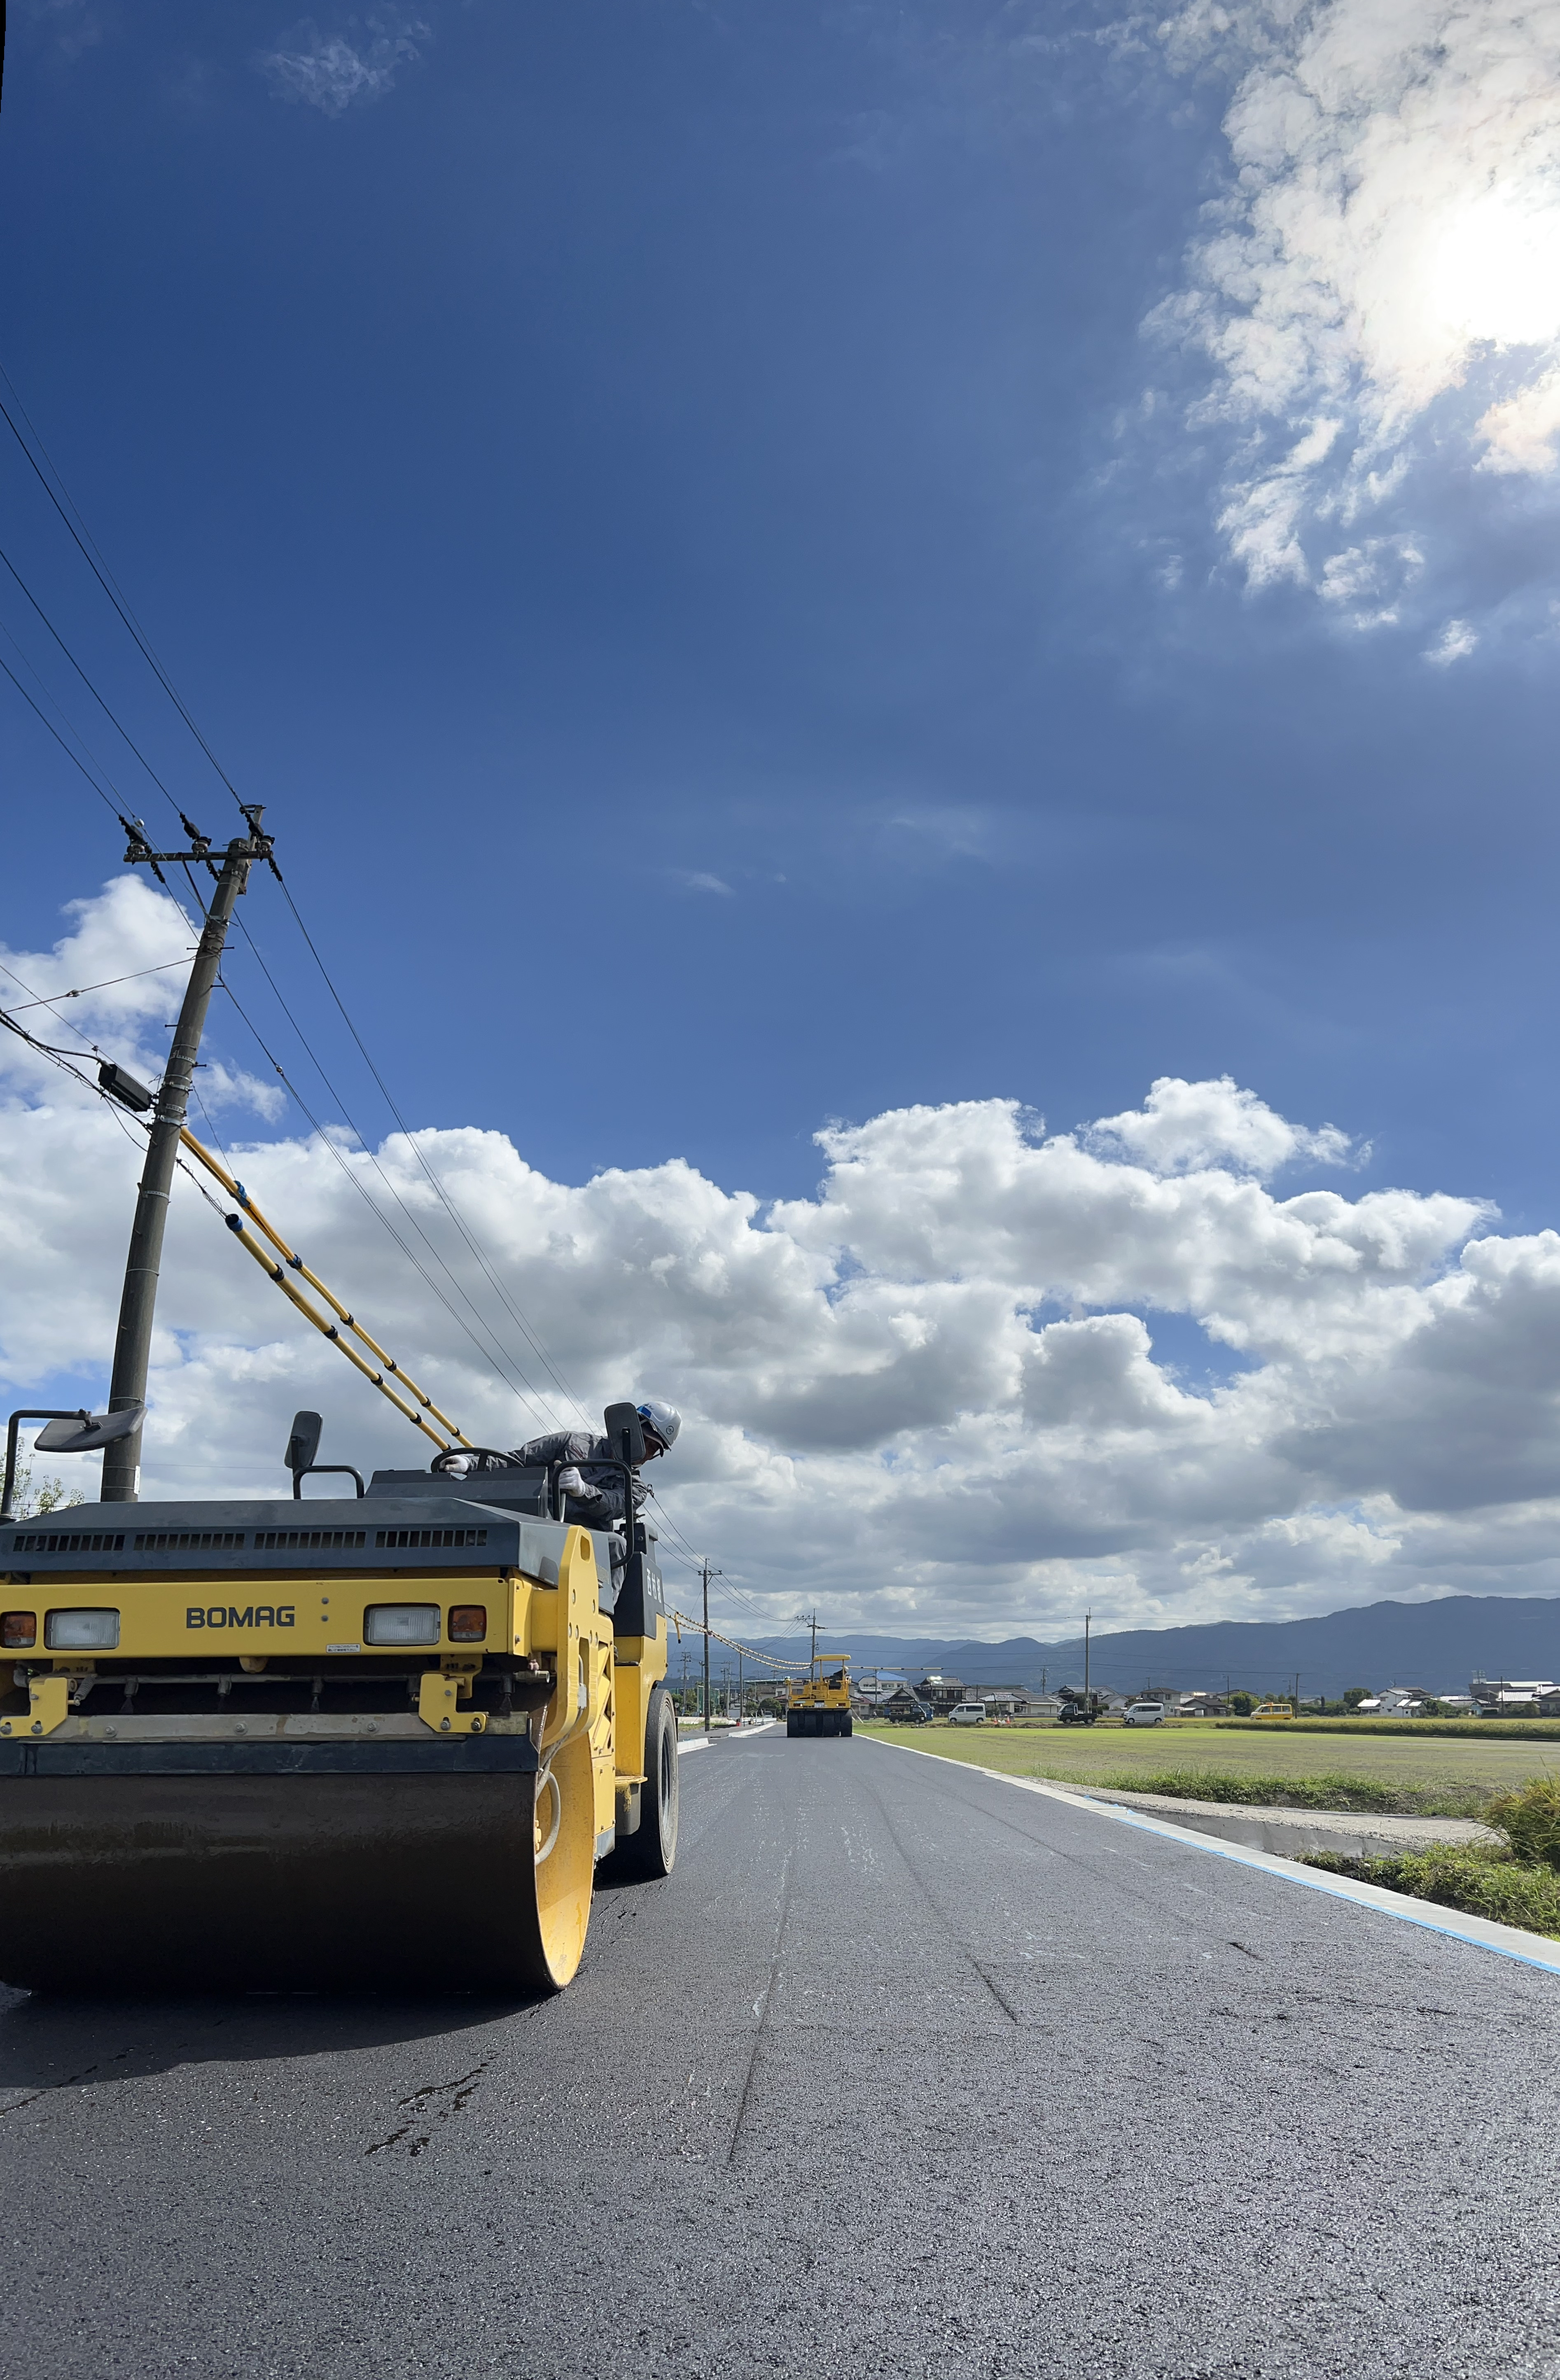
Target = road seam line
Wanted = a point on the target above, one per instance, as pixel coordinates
(1484, 1933)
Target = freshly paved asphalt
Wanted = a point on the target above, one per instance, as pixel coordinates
(904, 2071)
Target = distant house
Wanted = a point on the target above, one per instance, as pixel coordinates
(1044, 1705)
(941, 1691)
(1003, 1702)
(1200, 1707)
(1500, 1696)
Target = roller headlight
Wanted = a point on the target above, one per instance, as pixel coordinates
(402, 1623)
(81, 1632)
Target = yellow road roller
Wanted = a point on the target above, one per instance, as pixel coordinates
(820, 1703)
(376, 1741)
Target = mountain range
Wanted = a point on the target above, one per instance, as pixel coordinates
(1437, 1647)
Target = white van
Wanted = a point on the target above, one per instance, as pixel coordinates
(1143, 1714)
(968, 1715)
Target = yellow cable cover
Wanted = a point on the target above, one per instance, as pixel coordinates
(327, 1330)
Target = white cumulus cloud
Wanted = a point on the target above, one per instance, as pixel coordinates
(949, 1389)
(1378, 287)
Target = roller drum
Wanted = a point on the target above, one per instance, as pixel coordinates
(464, 1882)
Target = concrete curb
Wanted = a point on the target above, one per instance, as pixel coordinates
(695, 1744)
(1506, 1941)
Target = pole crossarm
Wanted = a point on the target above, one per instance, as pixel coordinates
(236, 1189)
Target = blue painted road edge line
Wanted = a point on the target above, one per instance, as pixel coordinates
(1506, 1941)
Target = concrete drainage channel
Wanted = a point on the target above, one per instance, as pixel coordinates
(1353, 1834)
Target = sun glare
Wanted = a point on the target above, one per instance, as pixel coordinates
(1494, 274)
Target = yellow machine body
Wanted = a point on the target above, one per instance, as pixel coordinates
(820, 1703)
(229, 1775)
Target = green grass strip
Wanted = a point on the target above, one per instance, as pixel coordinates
(1327, 1793)
(1483, 1883)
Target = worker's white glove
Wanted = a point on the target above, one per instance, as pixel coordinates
(453, 1466)
(572, 1484)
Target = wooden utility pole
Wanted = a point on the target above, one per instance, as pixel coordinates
(706, 1575)
(132, 1345)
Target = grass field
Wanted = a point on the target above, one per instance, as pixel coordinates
(1437, 1765)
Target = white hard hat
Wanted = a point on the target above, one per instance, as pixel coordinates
(664, 1420)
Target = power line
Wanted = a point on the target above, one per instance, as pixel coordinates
(111, 807)
(103, 705)
(455, 1216)
(54, 486)
(526, 1392)
(81, 989)
(70, 515)
(101, 572)
(104, 578)
(495, 1365)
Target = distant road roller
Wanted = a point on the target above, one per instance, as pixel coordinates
(820, 1703)
(376, 1742)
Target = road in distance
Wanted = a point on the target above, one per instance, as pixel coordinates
(904, 2071)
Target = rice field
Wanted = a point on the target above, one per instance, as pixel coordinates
(1082, 1757)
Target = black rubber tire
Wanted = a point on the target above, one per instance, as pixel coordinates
(848, 1724)
(792, 1725)
(651, 1850)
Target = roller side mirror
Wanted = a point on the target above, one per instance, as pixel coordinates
(625, 1433)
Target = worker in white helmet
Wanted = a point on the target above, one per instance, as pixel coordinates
(589, 1478)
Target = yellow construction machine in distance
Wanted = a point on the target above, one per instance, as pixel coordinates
(820, 1703)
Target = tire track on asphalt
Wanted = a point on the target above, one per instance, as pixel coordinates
(1003, 2003)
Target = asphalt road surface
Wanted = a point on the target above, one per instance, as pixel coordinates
(905, 2070)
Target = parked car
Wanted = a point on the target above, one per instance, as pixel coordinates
(968, 1715)
(1143, 1714)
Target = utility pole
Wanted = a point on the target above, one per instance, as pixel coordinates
(739, 1685)
(1087, 1618)
(809, 1620)
(708, 1574)
(132, 1346)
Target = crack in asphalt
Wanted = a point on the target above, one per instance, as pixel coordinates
(454, 2094)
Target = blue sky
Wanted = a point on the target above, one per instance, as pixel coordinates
(648, 444)
(773, 565)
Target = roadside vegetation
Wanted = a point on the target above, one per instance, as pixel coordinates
(1324, 1793)
(1518, 1884)
(1514, 1730)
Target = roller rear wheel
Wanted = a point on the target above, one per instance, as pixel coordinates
(651, 1850)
